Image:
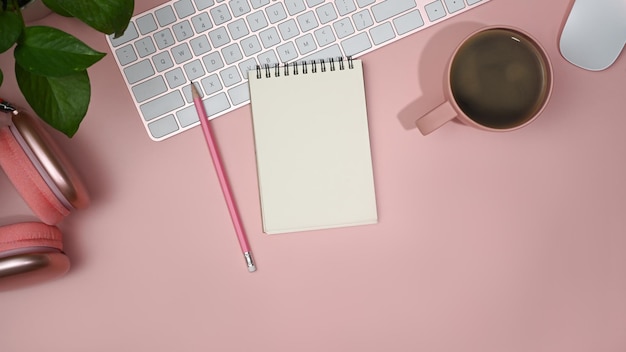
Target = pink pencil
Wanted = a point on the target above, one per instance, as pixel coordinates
(221, 175)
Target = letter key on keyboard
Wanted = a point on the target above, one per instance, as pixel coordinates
(215, 43)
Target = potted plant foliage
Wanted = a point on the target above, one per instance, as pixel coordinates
(51, 65)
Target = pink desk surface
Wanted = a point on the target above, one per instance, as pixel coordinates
(486, 242)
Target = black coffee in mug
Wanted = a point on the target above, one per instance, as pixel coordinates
(499, 78)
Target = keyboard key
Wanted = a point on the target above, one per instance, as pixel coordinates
(194, 70)
(268, 58)
(408, 22)
(326, 13)
(203, 4)
(324, 36)
(145, 46)
(201, 22)
(239, 7)
(230, 76)
(213, 62)
(232, 53)
(129, 34)
(184, 8)
(211, 84)
(181, 53)
(149, 89)
(306, 44)
(219, 37)
(307, 21)
(257, 21)
(435, 10)
(165, 16)
(276, 12)
(139, 71)
(362, 19)
(216, 104)
(187, 116)
(239, 94)
(389, 8)
(287, 52)
(382, 33)
(175, 78)
(146, 24)
(288, 29)
(259, 3)
(313, 3)
(473, 2)
(454, 5)
(187, 92)
(220, 14)
(164, 38)
(182, 31)
(200, 45)
(238, 29)
(248, 65)
(356, 44)
(295, 6)
(163, 127)
(363, 3)
(269, 37)
(251, 45)
(343, 28)
(162, 61)
(344, 7)
(162, 105)
(126, 54)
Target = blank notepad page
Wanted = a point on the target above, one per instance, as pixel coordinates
(312, 146)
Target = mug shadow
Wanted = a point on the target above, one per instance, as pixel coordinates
(431, 70)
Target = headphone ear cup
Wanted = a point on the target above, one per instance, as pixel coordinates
(30, 234)
(27, 180)
(30, 253)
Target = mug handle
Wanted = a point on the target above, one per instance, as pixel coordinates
(436, 118)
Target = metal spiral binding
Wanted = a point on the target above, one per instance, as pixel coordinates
(303, 67)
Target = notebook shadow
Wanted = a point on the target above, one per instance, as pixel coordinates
(432, 65)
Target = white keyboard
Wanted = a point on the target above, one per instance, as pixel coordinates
(215, 44)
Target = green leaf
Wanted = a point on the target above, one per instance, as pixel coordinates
(60, 101)
(11, 26)
(51, 52)
(106, 16)
(52, 5)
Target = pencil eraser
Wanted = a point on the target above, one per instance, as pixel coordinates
(252, 268)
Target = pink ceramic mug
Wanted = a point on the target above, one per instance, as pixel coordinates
(498, 79)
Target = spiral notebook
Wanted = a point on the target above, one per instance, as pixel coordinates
(312, 146)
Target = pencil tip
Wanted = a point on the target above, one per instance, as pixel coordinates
(194, 91)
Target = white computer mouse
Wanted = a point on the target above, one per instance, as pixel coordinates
(594, 33)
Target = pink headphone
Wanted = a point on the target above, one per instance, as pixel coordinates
(33, 251)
